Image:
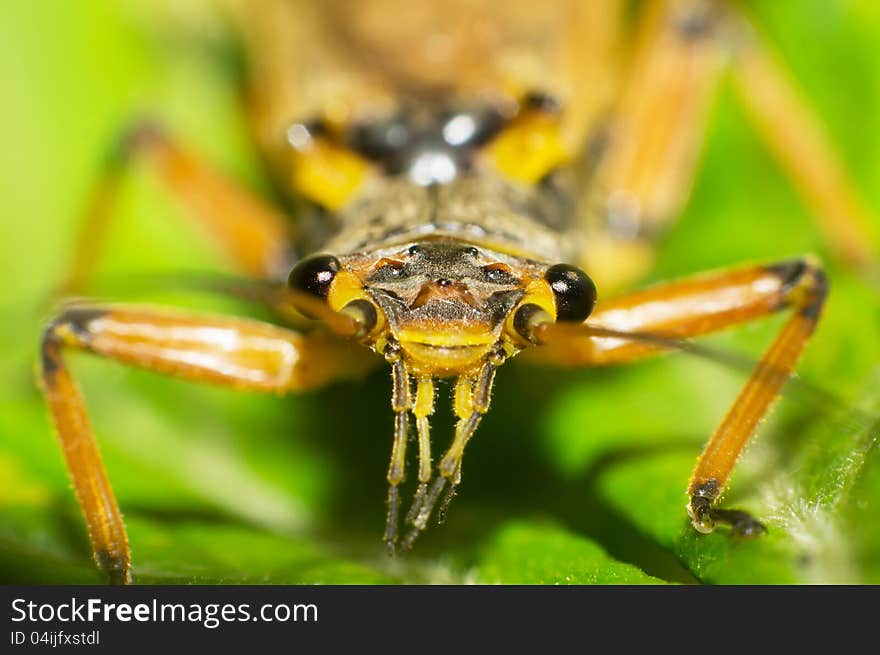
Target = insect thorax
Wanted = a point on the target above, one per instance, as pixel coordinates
(474, 208)
(439, 241)
(451, 237)
(430, 172)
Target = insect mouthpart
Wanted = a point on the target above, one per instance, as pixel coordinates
(473, 391)
(445, 303)
(439, 308)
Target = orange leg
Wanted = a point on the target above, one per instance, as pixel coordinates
(798, 140)
(690, 308)
(256, 237)
(654, 137)
(231, 352)
(657, 130)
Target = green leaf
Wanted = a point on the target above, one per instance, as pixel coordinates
(810, 536)
(218, 486)
(542, 553)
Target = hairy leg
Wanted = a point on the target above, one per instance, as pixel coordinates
(689, 308)
(236, 353)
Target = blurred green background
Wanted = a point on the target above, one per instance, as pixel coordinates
(574, 477)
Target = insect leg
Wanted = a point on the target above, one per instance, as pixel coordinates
(472, 398)
(798, 140)
(648, 149)
(698, 306)
(424, 407)
(255, 236)
(652, 142)
(401, 404)
(220, 350)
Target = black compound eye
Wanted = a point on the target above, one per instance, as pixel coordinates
(314, 274)
(574, 291)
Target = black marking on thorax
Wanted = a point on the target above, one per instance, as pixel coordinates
(428, 146)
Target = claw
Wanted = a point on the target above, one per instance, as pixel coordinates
(742, 524)
(704, 518)
(700, 511)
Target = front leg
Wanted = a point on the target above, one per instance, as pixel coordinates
(231, 352)
(690, 308)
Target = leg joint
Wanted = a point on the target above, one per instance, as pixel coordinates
(698, 22)
(804, 285)
(140, 136)
(709, 490)
(71, 327)
(115, 565)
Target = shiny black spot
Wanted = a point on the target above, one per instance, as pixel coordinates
(314, 274)
(301, 134)
(414, 249)
(443, 282)
(470, 250)
(400, 143)
(574, 291)
(484, 123)
(378, 140)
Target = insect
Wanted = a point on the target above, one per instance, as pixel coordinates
(461, 169)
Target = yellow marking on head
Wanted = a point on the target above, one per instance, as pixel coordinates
(440, 362)
(457, 337)
(529, 148)
(328, 174)
(445, 349)
(346, 287)
(538, 292)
